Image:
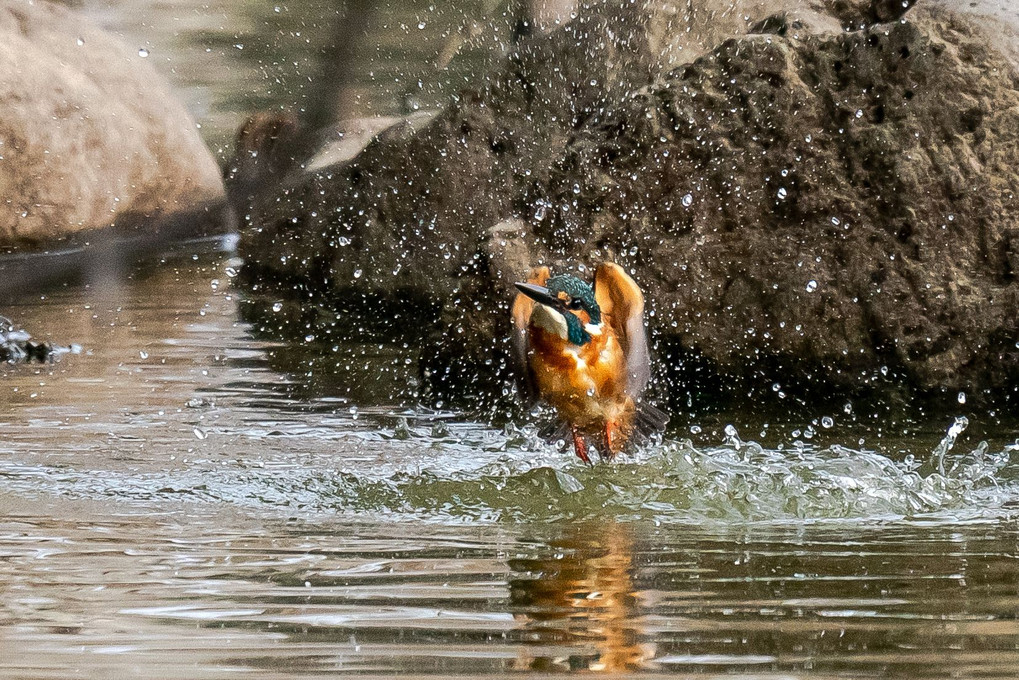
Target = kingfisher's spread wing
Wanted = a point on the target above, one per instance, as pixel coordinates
(622, 307)
(521, 312)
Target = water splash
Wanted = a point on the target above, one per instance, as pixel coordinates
(937, 459)
(464, 473)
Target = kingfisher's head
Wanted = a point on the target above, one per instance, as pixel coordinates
(566, 307)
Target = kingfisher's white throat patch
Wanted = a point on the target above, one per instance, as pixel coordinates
(550, 321)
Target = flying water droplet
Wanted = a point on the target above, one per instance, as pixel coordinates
(277, 306)
(688, 200)
(781, 193)
(811, 286)
(142, 52)
(732, 437)
(958, 426)
(961, 397)
(827, 422)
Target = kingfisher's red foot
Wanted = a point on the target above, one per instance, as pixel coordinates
(612, 440)
(580, 446)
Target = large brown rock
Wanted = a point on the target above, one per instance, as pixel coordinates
(89, 133)
(804, 194)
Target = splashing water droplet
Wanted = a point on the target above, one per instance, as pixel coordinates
(827, 422)
(357, 273)
(782, 193)
(688, 200)
(143, 354)
(941, 450)
(732, 437)
(811, 286)
(961, 397)
(142, 52)
(958, 426)
(277, 306)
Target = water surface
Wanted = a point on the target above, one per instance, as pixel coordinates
(191, 497)
(185, 498)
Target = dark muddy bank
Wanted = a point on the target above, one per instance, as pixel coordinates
(818, 196)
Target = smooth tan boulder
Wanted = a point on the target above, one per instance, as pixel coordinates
(89, 132)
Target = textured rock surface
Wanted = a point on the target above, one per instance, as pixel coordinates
(88, 130)
(804, 194)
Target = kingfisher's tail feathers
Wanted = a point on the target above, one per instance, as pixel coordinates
(554, 430)
(650, 421)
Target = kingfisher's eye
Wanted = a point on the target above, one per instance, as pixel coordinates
(574, 304)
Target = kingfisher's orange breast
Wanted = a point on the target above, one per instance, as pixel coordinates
(584, 383)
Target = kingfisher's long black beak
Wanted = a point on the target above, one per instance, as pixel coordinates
(539, 294)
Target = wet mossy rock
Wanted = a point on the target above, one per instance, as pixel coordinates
(807, 192)
(89, 132)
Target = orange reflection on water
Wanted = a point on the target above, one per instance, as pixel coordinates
(578, 604)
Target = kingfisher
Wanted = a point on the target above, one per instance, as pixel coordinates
(586, 355)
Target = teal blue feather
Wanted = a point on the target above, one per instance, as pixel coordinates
(582, 296)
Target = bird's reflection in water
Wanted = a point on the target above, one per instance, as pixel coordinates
(577, 604)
